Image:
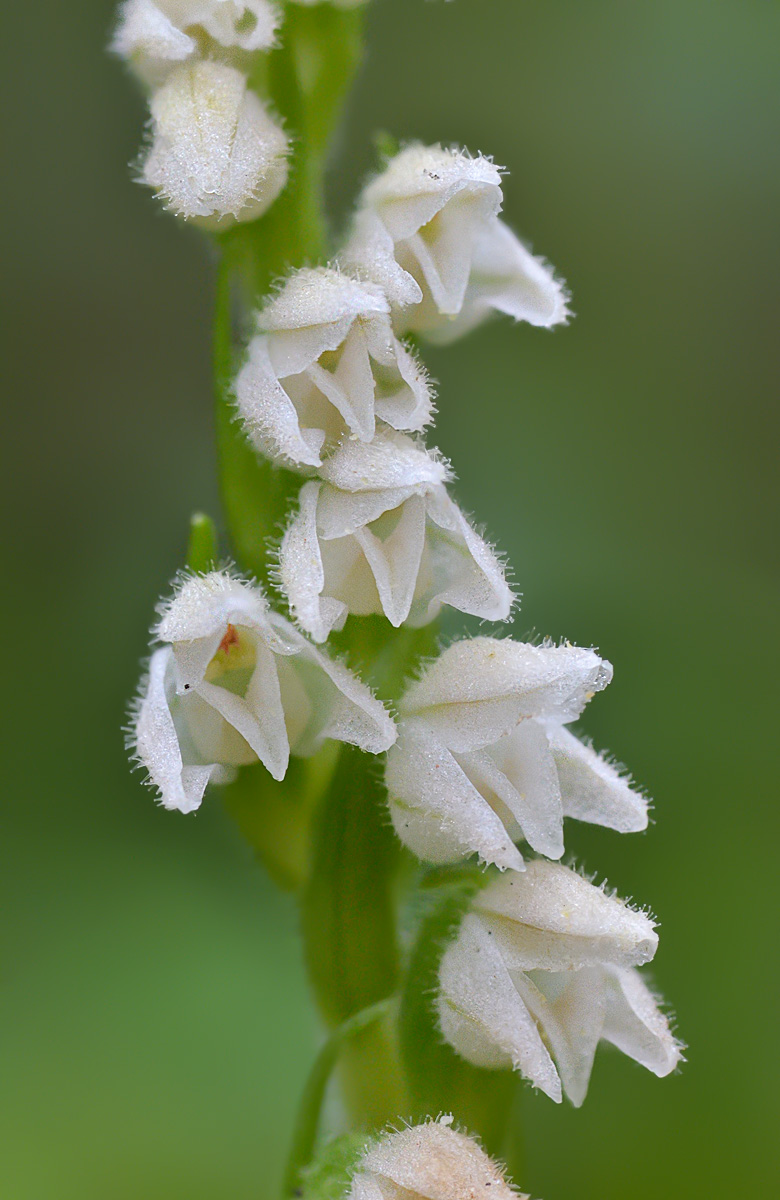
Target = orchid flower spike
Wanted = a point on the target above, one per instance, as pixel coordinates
(233, 683)
(427, 231)
(543, 968)
(326, 363)
(381, 534)
(484, 757)
(428, 1162)
(215, 156)
(155, 35)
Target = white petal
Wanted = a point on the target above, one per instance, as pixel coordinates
(430, 1162)
(506, 278)
(551, 918)
(341, 705)
(313, 313)
(481, 1014)
(257, 716)
(592, 789)
(157, 746)
(389, 461)
(144, 31)
(395, 558)
(519, 771)
(248, 24)
(269, 415)
(479, 688)
(421, 180)
(635, 1024)
(156, 35)
(403, 397)
(215, 152)
(370, 255)
(204, 605)
(569, 1008)
(350, 385)
(465, 572)
(302, 574)
(436, 810)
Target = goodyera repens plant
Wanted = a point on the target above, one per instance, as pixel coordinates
(450, 951)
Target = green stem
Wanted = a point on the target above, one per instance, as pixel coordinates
(307, 1126)
(349, 929)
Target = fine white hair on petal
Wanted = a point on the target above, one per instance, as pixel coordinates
(215, 155)
(234, 683)
(550, 917)
(488, 716)
(593, 789)
(436, 810)
(326, 364)
(431, 1161)
(547, 959)
(155, 34)
(505, 278)
(481, 687)
(380, 535)
(481, 1014)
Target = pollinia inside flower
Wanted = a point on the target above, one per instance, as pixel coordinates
(415, 796)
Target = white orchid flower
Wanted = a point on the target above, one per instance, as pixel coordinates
(215, 156)
(381, 534)
(326, 363)
(234, 683)
(428, 1162)
(484, 757)
(542, 969)
(155, 35)
(427, 231)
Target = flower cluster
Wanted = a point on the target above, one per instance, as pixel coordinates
(330, 389)
(543, 965)
(215, 153)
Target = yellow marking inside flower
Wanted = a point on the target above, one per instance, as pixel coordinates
(233, 664)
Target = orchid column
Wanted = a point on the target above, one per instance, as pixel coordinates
(449, 951)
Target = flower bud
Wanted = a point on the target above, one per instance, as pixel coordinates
(325, 364)
(428, 1162)
(234, 683)
(484, 758)
(381, 534)
(215, 154)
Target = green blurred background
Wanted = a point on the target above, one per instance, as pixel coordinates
(153, 1010)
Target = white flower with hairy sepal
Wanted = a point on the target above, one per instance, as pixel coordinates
(327, 363)
(235, 683)
(427, 231)
(380, 534)
(484, 758)
(155, 35)
(428, 1162)
(543, 965)
(215, 155)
